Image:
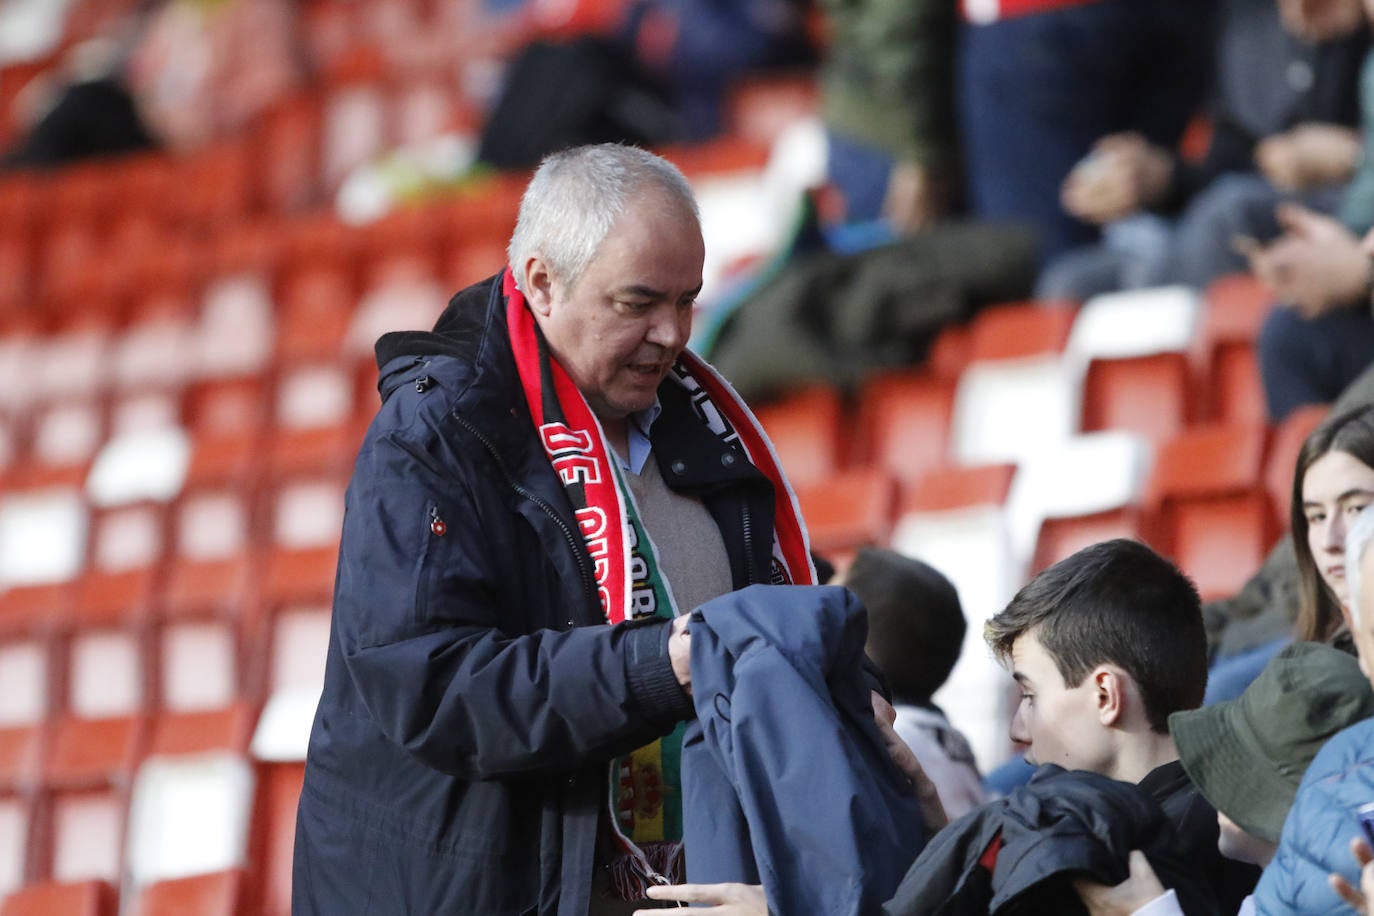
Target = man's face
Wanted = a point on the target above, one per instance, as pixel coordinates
(1236, 844)
(620, 328)
(1060, 724)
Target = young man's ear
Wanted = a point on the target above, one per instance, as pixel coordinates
(1110, 689)
(536, 282)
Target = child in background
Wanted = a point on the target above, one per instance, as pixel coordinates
(915, 632)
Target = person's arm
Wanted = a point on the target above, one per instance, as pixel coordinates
(434, 634)
(889, 81)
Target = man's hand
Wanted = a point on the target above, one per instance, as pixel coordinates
(1140, 887)
(1358, 899)
(1317, 264)
(1124, 174)
(721, 899)
(1308, 155)
(680, 653)
(933, 814)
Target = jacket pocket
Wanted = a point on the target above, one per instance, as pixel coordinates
(429, 563)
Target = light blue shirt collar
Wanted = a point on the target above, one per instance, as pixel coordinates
(637, 428)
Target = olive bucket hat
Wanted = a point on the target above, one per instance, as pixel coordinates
(1248, 755)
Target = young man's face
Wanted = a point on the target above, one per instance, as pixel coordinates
(1060, 723)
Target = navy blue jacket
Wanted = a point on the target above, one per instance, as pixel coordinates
(786, 781)
(473, 694)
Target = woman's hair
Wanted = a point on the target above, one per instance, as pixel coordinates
(1352, 432)
(576, 196)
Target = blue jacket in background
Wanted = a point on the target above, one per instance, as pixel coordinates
(1317, 833)
(786, 780)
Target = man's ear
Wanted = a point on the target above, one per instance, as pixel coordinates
(1110, 689)
(537, 283)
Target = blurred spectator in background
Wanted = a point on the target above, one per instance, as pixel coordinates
(176, 74)
(1282, 127)
(1314, 346)
(1040, 81)
(887, 98)
(649, 72)
(915, 634)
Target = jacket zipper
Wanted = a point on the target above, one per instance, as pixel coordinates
(747, 528)
(574, 543)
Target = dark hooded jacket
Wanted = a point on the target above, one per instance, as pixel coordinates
(473, 694)
(1017, 855)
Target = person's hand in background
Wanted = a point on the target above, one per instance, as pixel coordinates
(1317, 264)
(1308, 155)
(1123, 175)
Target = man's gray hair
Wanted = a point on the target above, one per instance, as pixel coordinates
(1357, 541)
(576, 196)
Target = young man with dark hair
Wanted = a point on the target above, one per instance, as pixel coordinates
(1105, 645)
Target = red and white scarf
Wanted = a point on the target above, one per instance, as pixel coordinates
(645, 796)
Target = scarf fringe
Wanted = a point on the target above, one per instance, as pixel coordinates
(628, 880)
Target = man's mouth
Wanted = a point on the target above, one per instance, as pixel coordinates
(648, 370)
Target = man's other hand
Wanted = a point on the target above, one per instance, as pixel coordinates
(1140, 887)
(933, 814)
(717, 899)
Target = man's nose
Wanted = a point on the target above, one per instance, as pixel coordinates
(670, 327)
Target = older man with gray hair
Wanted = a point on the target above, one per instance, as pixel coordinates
(550, 480)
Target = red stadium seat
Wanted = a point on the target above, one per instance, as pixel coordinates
(215, 894)
(1015, 330)
(1224, 350)
(847, 511)
(805, 429)
(1207, 506)
(1144, 394)
(274, 834)
(904, 423)
(1282, 460)
(49, 898)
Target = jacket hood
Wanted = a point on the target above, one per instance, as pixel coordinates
(459, 332)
